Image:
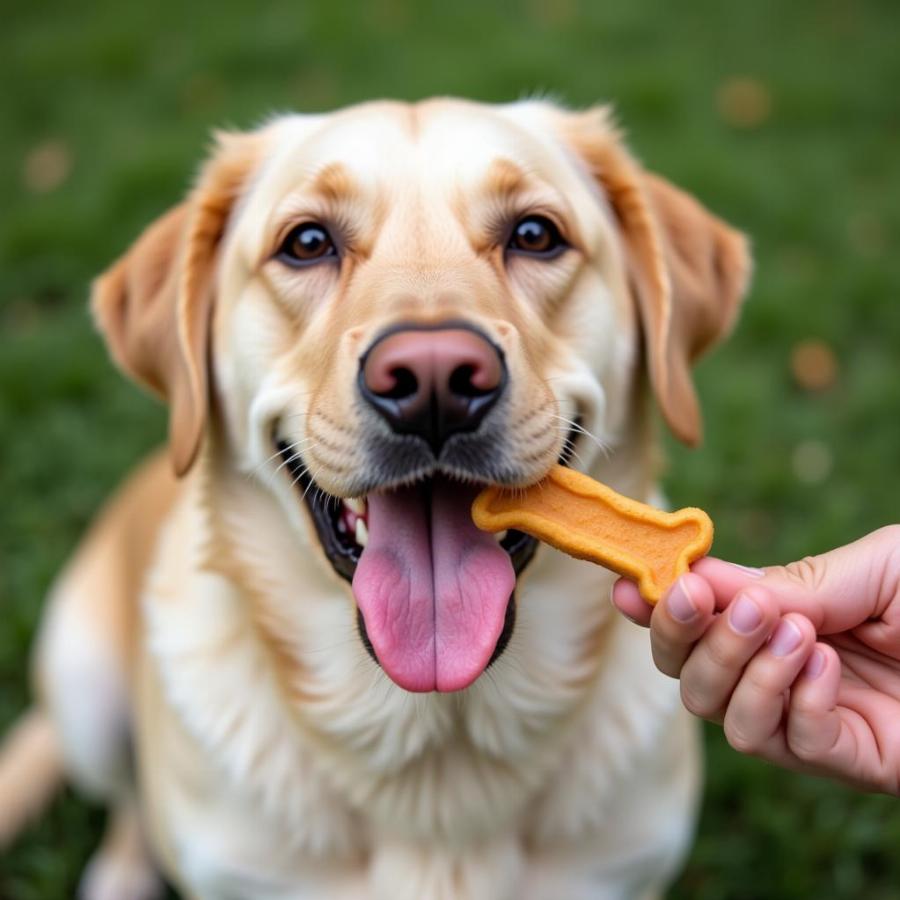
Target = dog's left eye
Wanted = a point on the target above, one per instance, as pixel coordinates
(307, 244)
(536, 236)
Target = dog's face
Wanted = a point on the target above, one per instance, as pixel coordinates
(393, 305)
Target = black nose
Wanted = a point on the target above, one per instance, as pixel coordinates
(432, 382)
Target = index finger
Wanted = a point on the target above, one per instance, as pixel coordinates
(725, 580)
(836, 590)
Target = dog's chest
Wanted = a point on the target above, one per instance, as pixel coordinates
(368, 786)
(283, 831)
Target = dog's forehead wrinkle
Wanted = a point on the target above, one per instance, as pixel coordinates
(450, 136)
(334, 182)
(462, 139)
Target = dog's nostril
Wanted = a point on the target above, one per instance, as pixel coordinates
(432, 382)
(405, 385)
(462, 382)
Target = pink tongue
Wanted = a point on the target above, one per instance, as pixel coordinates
(432, 588)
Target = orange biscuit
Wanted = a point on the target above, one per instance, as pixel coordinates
(590, 521)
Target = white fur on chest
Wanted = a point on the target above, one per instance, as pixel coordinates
(332, 776)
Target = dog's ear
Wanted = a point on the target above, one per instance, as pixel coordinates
(689, 270)
(154, 304)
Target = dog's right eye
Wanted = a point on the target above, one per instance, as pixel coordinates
(306, 244)
(536, 236)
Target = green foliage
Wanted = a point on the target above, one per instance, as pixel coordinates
(105, 112)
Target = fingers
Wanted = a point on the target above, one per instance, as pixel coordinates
(725, 578)
(753, 719)
(836, 591)
(847, 732)
(678, 621)
(815, 733)
(714, 668)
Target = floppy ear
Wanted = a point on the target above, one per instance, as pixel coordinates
(689, 270)
(154, 304)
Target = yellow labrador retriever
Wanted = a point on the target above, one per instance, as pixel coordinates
(334, 686)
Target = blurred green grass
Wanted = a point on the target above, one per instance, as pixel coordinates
(115, 102)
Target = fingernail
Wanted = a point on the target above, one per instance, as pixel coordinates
(815, 665)
(748, 570)
(786, 639)
(744, 615)
(680, 604)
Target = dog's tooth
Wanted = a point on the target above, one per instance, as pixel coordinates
(362, 533)
(501, 536)
(357, 505)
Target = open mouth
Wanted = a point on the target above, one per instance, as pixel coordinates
(343, 525)
(435, 595)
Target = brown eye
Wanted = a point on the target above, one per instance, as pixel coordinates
(307, 244)
(536, 236)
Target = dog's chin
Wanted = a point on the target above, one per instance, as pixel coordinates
(435, 596)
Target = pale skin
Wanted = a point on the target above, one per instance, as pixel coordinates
(800, 664)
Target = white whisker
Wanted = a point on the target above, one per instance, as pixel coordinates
(266, 461)
(294, 445)
(601, 445)
(295, 456)
(312, 480)
(570, 447)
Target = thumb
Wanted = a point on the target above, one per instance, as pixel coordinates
(845, 587)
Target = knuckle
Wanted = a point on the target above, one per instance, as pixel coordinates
(762, 678)
(669, 668)
(738, 738)
(809, 572)
(721, 653)
(885, 544)
(665, 662)
(891, 541)
(668, 655)
(697, 702)
(804, 750)
(672, 633)
(801, 708)
(890, 534)
(808, 735)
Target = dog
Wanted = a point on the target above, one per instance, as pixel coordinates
(284, 656)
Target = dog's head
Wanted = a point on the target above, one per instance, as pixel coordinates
(384, 308)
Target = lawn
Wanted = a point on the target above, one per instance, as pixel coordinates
(783, 117)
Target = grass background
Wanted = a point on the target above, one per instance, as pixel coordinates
(784, 117)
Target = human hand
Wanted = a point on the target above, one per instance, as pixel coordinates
(799, 663)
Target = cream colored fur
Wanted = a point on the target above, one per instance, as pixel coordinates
(274, 759)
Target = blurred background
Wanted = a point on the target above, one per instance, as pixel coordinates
(783, 117)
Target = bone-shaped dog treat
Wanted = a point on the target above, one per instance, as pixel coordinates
(590, 521)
